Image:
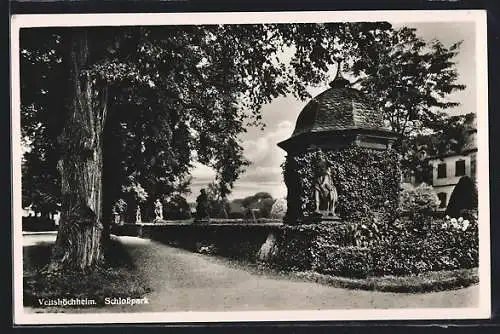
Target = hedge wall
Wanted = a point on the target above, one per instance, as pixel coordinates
(342, 250)
(366, 179)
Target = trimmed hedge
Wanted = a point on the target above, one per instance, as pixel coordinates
(237, 241)
(351, 261)
(334, 249)
(293, 248)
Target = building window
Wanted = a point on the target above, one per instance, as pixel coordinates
(460, 168)
(441, 171)
(442, 200)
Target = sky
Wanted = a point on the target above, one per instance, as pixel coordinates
(280, 115)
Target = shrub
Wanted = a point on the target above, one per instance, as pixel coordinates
(236, 215)
(418, 199)
(294, 248)
(177, 208)
(419, 203)
(463, 197)
(218, 208)
(348, 261)
(362, 249)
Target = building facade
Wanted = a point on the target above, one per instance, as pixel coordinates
(447, 169)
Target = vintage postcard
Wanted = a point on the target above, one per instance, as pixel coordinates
(286, 166)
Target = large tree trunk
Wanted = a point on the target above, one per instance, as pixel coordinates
(79, 243)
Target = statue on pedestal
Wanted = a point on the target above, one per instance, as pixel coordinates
(138, 217)
(325, 192)
(158, 210)
(202, 206)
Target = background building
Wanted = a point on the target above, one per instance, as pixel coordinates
(447, 169)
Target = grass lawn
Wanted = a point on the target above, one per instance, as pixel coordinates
(119, 277)
(427, 282)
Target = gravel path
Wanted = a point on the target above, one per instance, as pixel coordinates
(184, 281)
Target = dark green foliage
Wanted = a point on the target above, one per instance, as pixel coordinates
(344, 249)
(418, 204)
(427, 282)
(217, 204)
(164, 82)
(202, 205)
(294, 248)
(238, 241)
(176, 208)
(410, 80)
(396, 73)
(366, 180)
(258, 205)
(463, 197)
(350, 261)
(441, 249)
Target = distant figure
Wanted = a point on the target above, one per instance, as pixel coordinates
(202, 206)
(325, 193)
(138, 217)
(158, 210)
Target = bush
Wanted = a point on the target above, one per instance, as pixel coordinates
(419, 203)
(463, 197)
(236, 215)
(421, 199)
(177, 208)
(294, 248)
(359, 249)
(351, 261)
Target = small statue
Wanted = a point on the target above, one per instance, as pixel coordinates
(325, 192)
(202, 206)
(158, 210)
(138, 218)
(117, 218)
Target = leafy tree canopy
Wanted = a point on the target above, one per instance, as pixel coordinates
(408, 78)
(175, 94)
(179, 94)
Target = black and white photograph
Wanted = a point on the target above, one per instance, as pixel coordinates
(282, 166)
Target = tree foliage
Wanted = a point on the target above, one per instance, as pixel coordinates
(408, 78)
(178, 94)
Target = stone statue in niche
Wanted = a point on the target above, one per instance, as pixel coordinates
(158, 210)
(325, 192)
(202, 206)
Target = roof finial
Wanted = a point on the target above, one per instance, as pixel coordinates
(339, 81)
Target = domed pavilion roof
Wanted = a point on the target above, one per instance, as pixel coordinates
(337, 117)
(339, 108)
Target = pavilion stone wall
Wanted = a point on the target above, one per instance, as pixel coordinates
(367, 181)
